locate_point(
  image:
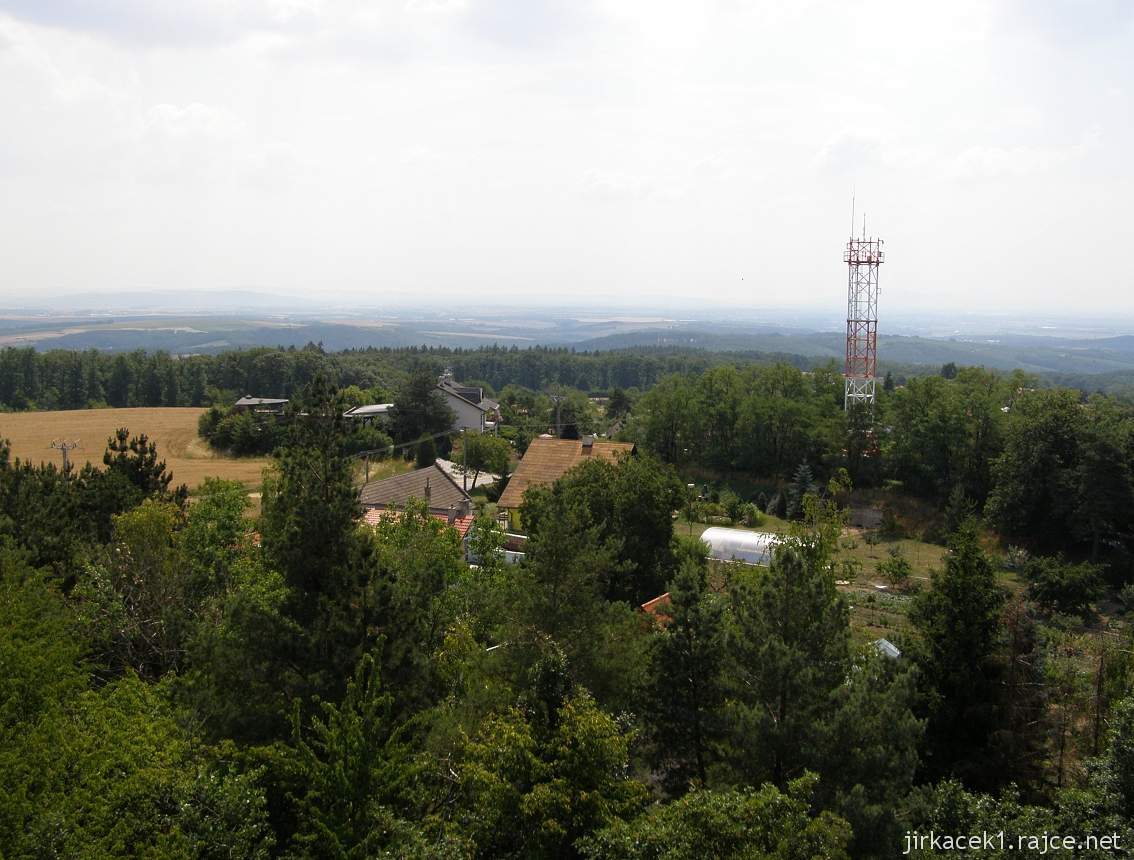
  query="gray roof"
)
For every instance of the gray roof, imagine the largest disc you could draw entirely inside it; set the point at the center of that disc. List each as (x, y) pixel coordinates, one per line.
(396, 491)
(260, 401)
(887, 648)
(471, 396)
(368, 411)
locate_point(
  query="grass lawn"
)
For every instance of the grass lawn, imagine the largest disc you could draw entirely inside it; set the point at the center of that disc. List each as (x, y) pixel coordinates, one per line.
(853, 545)
(380, 469)
(874, 612)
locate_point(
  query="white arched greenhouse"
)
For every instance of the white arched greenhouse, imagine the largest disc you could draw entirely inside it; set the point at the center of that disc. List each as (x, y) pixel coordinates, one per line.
(740, 545)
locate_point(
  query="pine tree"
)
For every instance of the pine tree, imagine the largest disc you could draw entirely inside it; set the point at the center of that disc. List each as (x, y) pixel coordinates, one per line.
(353, 764)
(121, 382)
(136, 459)
(802, 484)
(310, 506)
(419, 408)
(959, 621)
(790, 649)
(687, 668)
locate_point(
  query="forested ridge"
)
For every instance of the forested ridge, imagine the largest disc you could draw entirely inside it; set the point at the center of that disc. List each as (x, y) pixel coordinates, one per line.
(62, 379)
(183, 679)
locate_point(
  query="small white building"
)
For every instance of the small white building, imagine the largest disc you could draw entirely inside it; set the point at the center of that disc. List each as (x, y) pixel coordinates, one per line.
(727, 544)
(468, 414)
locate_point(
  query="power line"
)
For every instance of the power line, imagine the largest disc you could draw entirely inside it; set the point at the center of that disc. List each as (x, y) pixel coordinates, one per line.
(66, 447)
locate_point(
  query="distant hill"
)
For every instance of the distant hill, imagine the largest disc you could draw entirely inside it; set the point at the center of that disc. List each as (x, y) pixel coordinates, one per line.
(206, 301)
(1105, 363)
(1033, 354)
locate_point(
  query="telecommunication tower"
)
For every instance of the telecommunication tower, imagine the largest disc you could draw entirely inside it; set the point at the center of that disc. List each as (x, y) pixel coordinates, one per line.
(863, 257)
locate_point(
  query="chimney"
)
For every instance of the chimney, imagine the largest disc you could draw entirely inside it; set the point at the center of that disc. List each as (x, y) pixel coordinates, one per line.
(428, 493)
(452, 514)
(588, 444)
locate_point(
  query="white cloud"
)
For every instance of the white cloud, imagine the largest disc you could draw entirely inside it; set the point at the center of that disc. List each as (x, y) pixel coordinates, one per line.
(608, 144)
(977, 163)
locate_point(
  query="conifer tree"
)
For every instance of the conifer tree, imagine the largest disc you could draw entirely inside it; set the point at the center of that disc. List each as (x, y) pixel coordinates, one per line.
(687, 670)
(959, 620)
(790, 647)
(310, 506)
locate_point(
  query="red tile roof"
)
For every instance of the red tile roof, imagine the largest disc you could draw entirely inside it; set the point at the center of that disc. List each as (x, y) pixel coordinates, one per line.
(372, 517)
(657, 608)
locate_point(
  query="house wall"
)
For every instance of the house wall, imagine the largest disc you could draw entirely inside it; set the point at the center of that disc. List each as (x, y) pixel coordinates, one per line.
(468, 416)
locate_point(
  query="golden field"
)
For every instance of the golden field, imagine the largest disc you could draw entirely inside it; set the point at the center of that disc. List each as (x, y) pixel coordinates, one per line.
(174, 429)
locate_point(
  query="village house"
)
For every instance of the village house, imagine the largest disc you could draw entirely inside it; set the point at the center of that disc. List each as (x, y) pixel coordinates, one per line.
(444, 498)
(472, 410)
(262, 405)
(433, 485)
(547, 460)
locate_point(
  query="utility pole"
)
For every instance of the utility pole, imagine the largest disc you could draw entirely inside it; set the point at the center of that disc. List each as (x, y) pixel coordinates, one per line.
(692, 497)
(66, 447)
(464, 461)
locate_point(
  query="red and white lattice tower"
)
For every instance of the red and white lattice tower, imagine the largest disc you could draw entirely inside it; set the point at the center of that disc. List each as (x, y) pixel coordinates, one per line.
(863, 257)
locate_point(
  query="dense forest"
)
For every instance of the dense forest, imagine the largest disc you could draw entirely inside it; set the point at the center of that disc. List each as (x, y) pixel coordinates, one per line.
(60, 379)
(181, 678)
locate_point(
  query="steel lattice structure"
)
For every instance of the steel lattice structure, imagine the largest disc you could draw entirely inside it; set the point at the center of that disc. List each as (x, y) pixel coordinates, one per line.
(863, 257)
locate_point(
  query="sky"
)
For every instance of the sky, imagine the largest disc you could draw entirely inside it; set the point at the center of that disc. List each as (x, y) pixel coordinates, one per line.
(586, 151)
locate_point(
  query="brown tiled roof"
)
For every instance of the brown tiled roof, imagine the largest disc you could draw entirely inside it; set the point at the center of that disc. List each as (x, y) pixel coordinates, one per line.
(547, 460)
(658, 608)
(396, 491)
(375, 516)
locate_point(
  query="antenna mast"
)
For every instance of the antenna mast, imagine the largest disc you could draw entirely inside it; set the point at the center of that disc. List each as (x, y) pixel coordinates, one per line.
(863, 257)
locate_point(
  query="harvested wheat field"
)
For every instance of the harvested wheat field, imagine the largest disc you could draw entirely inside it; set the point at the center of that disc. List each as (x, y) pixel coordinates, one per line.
(174, 429)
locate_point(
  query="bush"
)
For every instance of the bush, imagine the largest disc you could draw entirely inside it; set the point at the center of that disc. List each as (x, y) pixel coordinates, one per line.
(223, 433)
(890, 528)
(426, 452)
(777, 505)
(750, 515)
(239, 433)
(207, 423)
(732, 505)
(1015, 559)
(368, 438)
(1060, 586)
(1126, 595)
(493, 491)
(896, 569)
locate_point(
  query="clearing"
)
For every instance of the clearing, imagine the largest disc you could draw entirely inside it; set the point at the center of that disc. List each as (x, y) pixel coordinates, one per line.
(174, 429)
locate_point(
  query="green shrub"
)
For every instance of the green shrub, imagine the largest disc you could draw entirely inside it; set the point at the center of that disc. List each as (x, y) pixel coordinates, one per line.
(1060, 586)
(896, 569)
(368, 438)
(426, 452)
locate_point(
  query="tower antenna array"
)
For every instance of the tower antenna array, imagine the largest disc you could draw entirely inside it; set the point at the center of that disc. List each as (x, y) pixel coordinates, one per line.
(863, 257)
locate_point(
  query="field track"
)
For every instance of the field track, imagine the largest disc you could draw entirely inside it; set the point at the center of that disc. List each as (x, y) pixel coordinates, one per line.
(174, 429)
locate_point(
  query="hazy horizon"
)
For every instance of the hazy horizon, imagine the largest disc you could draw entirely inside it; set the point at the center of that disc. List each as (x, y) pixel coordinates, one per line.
(630, 155)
